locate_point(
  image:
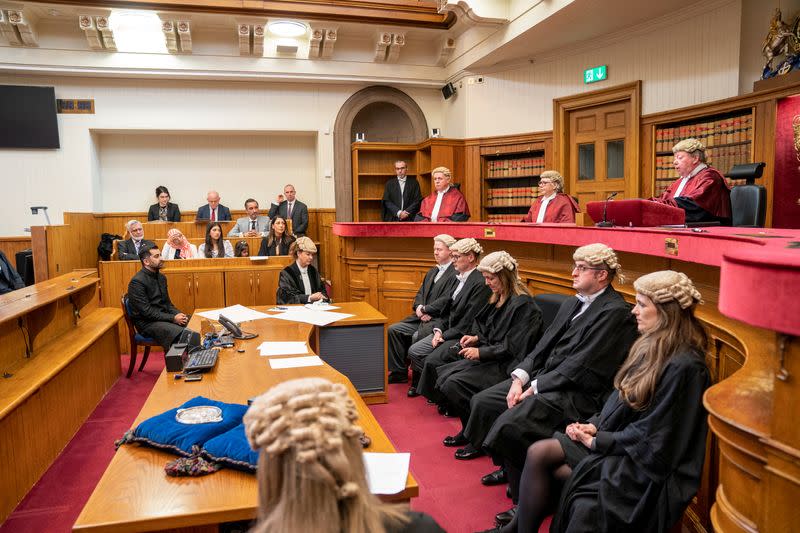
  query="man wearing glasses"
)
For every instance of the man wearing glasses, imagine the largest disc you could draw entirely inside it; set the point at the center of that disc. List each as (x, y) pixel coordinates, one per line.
(552, 205)
(566, 377)
(401, 196)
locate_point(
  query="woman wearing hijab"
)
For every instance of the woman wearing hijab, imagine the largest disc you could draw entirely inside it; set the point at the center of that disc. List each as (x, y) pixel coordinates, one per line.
(178, 246)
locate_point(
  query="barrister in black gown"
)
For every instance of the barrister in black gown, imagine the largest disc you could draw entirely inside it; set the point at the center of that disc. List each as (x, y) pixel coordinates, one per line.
(151, 309)
(401, 196)
(292, 288)
(636, 465)
(469, 296)
(503, 331)
(429, 303)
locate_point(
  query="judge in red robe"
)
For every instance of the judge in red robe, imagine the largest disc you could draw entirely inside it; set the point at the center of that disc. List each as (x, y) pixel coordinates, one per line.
(701, 191)
(445, 203)
(552, 205)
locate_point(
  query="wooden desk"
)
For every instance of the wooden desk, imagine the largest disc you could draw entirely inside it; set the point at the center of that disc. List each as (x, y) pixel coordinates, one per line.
(135, 494)
(61, 355)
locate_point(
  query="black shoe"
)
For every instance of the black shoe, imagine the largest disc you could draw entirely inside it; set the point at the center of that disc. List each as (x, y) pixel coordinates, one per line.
(508, 492)
(442, 409)
(468, 452)
(454, 441)
(498, 477)
(429, 401)
(398, 377)
(412, 392)
(504, 518)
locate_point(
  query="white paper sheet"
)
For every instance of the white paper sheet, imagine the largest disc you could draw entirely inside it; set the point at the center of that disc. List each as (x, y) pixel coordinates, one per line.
(317, 318)
(386, 472)
(282, 348)
(259, 257)
(321, 307)
(295, 362)
(237, 313)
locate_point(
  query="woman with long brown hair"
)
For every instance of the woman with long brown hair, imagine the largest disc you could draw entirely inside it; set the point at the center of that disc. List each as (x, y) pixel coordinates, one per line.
(311, 474)
(278, 239)
(215, 245)
(636, 465)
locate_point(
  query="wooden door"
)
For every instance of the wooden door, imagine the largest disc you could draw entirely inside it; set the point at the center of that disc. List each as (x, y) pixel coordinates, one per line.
(209, 290)
(600, 157)
(179, 285)
(239, 288)
(266, 287)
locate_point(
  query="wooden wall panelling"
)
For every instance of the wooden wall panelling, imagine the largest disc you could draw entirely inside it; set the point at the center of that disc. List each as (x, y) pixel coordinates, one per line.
(11, 245)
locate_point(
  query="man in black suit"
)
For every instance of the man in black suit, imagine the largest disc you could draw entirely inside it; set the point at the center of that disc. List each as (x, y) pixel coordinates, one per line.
(291, 208)
(566, 377)
(10, 280)
(430, 302)
(300, 283)
(469, 295)
(148, 299)
(401, 196)
(213, 210)
(128, 250)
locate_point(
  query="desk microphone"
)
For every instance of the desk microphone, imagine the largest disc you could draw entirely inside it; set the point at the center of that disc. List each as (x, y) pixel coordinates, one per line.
(605, 223)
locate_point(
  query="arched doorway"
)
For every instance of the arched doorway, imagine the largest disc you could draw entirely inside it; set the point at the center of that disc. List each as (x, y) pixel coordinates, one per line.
(383, 114)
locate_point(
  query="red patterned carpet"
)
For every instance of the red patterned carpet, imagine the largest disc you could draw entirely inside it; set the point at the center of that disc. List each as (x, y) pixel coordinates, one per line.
(450, 490)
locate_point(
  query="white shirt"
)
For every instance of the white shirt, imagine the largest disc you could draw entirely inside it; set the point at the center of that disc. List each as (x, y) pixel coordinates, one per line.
(586, 302)
(685, 179)
(543, 207)
(462, 278)
(438, 204)
(442, 269)
(402, 182)
(305, 278)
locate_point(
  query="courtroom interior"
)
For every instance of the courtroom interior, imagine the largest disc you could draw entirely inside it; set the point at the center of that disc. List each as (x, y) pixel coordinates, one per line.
(399, 265)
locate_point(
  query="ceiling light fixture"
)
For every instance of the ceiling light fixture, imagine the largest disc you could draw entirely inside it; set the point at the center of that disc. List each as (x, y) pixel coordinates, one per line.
(287, 28)
(137, 31)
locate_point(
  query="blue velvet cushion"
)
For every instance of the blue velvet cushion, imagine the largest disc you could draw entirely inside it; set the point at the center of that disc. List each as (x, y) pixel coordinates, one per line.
(164, 432)
(232, 449)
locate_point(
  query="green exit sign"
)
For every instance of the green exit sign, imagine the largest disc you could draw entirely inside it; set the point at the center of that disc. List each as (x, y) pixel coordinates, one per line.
(591, 75)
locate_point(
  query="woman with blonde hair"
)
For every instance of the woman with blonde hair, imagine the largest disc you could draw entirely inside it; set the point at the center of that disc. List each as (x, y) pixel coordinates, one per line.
(311, 474)
(278, 240)
(552, 205)
(178, 246)
(502, 333)
(636, 465)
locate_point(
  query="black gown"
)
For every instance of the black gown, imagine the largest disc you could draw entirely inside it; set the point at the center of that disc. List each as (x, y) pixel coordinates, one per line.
(574, 364)
(646, 465)
(290, 285)
(505, 335)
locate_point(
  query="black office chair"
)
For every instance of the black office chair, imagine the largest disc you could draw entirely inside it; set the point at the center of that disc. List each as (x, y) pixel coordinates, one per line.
(749, 201)
(549, 304)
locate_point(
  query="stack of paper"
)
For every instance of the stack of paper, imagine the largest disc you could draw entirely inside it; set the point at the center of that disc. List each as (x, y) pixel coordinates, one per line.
(317, 318)
(282, 348)
(295, 362)
(386, 472)
(235, 313)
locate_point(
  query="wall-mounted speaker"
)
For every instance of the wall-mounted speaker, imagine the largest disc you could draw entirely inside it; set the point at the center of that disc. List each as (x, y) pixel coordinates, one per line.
(448, 91)
(436, 132)
(361, 137)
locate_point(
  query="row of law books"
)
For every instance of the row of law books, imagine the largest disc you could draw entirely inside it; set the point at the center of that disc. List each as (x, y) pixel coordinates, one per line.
(504, 218)
(723, 159)
(511, 196)
(510, 168)
(711, 133)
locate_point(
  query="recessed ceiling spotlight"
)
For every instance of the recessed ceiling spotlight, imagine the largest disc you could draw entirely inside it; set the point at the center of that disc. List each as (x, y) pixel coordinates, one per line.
(287, 28)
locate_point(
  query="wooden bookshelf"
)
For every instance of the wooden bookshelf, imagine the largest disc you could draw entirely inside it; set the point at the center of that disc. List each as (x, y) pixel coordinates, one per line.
(728, 138)
(373, 166)
(510, 177)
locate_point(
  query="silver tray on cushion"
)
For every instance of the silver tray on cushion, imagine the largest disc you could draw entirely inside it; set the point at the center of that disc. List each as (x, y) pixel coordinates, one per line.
(201, 414)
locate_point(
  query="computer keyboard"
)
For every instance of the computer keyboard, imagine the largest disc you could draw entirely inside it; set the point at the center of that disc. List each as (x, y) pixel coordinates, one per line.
(202, 360)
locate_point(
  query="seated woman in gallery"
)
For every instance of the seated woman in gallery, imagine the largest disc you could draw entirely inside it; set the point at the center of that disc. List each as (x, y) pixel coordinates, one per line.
(445, 203)
(163, 210)
(178, 246)
(215, 245)
(637, 464)
(278, 239)
(552, 205)
(311, 474)
(701, 191)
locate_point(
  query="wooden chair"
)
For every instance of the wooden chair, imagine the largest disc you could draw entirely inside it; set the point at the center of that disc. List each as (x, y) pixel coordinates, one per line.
(136, 339)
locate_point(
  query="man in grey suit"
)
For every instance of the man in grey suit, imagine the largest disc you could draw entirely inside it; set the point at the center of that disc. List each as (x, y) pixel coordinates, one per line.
(291, 208)
(253, 225)
(128, 250)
